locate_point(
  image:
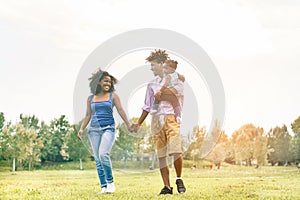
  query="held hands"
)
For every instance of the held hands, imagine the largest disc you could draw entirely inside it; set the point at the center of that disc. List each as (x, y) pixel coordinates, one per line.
(134, 128)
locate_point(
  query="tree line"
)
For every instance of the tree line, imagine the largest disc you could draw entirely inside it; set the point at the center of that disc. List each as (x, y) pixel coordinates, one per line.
(29, 143)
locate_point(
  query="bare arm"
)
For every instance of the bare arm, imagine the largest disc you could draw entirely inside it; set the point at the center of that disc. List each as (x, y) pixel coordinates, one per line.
(120, 109)
(167, 82)
(86, 119)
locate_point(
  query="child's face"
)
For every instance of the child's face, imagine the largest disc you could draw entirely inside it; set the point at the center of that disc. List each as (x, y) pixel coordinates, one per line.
(167, 69)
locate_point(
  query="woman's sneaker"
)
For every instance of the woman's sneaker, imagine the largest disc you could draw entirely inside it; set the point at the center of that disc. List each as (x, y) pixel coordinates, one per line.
(110, 188)
(103, 190)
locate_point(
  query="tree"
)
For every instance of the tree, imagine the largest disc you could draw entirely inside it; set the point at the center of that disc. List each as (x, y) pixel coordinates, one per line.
(195, 139)
(260, 148)
(220, 150)
(55, 139)
(243, 143)
(76, 150)
(296, 129)
(2, 120)
(279, 141)
(28, 144)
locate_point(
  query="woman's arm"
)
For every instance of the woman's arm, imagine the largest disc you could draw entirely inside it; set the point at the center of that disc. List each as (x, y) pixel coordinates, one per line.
(120, 109)
(86, 119)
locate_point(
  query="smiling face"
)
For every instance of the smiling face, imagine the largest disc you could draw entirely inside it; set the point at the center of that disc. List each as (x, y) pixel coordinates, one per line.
(156, 68)
(105, 84)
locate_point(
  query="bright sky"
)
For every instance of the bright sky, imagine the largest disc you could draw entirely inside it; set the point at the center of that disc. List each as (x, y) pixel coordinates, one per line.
(254, 45)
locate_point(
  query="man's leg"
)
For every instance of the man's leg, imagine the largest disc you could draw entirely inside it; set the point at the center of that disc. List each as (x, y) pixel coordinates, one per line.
(164, 171)
(178, 164)
(178, 168)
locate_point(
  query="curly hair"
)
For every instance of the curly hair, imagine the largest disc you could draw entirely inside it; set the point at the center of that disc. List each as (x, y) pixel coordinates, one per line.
(158, 56)
(171, 63)
(97, 77)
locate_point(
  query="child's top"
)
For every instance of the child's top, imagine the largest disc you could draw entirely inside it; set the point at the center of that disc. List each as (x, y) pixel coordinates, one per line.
(173, 79)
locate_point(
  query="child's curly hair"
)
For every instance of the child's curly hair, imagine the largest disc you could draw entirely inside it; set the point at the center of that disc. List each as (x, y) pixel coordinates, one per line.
(171, 63)
(97, 77)
(158, 56)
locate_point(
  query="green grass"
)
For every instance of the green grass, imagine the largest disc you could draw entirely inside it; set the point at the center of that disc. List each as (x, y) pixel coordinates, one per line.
(231, 182)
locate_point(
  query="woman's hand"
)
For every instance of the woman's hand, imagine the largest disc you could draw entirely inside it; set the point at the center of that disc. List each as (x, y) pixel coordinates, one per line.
(79, 135)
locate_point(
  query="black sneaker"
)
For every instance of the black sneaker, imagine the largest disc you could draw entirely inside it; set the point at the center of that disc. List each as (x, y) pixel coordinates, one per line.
(180, 186)
(166, 190)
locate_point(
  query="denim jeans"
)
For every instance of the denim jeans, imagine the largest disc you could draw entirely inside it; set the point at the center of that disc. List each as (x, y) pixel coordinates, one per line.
(102, 140)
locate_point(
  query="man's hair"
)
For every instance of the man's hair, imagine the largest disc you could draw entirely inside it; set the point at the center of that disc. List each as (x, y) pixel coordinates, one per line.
(158, 56)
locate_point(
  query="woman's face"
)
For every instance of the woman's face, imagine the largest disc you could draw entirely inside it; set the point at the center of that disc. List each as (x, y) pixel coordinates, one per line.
(105, 83)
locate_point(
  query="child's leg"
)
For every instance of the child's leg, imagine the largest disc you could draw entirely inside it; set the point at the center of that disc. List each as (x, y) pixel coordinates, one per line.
(154, 107)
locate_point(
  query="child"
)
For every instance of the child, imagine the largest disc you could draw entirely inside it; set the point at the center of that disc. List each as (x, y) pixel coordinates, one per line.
(170, 79)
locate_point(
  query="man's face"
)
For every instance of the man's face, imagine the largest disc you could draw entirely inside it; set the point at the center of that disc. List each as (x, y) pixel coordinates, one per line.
(156, 68)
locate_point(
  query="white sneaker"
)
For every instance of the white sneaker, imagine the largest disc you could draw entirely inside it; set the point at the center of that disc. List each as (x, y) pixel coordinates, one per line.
(110, 188)
(178, 120)
(153, 111)
(103, 190)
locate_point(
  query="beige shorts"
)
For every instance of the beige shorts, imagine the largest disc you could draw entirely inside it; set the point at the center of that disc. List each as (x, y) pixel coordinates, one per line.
(166, 133)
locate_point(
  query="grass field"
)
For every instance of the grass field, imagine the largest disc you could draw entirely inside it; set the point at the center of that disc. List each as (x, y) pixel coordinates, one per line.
(230, 182)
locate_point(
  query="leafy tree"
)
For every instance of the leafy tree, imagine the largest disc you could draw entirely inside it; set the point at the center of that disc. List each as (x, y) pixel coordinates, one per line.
(29, 145)
(29, 121)
(260, 148)
(221, 150)
(55, 139)
(243, 143)
(296, 129)
(76, 150)
(2, 120)
(279, 144)
(195, 139)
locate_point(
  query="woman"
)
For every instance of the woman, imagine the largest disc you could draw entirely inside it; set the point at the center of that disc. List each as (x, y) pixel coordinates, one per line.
(99, 113)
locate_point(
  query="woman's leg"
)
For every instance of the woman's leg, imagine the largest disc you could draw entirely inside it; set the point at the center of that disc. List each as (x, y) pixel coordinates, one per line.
(107, 141)
(95, 140)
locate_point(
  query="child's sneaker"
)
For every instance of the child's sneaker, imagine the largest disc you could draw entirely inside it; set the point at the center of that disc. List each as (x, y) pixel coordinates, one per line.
(178, 120)
(153, 111)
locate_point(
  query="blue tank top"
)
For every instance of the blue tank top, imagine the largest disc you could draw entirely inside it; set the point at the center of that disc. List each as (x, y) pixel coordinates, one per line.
(102, 113)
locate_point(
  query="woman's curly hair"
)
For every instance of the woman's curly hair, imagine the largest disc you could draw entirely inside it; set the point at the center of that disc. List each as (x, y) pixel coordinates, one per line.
(97, 77)
(158, 56)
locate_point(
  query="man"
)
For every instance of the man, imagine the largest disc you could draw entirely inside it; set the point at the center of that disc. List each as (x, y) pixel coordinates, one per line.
(165, 128)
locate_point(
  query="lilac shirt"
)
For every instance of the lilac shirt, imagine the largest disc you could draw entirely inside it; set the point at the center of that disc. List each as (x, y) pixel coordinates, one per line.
(166, 108)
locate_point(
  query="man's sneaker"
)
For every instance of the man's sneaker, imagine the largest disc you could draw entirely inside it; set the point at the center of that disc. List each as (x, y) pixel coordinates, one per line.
(166, 190)
(110, 188)
(180, 186)
(103, 190)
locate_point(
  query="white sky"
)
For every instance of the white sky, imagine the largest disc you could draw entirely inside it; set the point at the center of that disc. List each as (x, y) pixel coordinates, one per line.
(255, 46)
